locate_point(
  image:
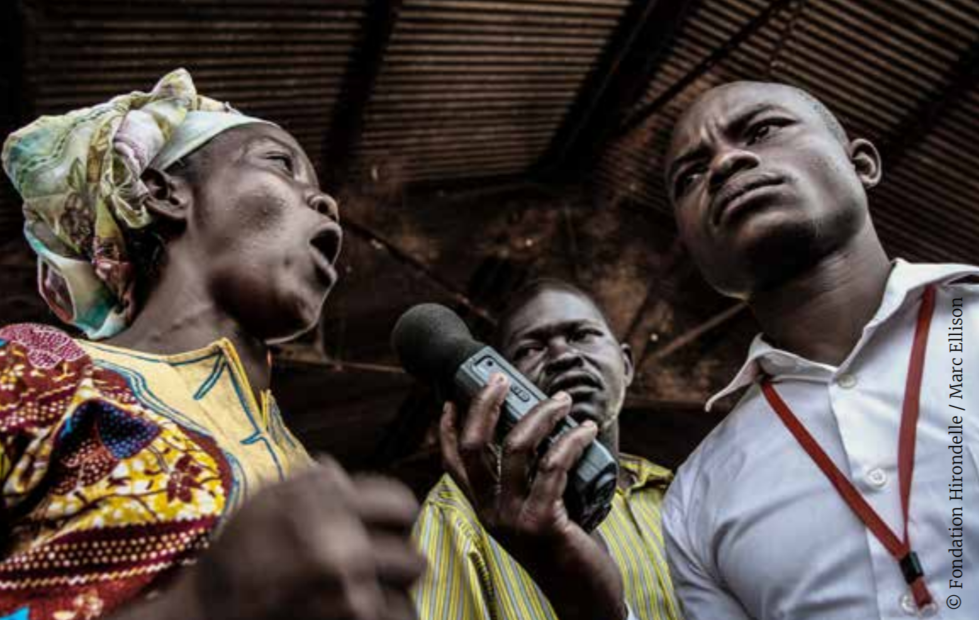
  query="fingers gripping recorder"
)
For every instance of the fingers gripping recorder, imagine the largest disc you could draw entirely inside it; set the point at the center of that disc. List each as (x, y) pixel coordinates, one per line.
(435, 346)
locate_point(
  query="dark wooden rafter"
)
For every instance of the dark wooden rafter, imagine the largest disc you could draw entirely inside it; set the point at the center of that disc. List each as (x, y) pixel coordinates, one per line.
(962, 78)
(399, 437)
(362, 71)
(640, 116)
(626, 66)
(695, 333)
(405, 433)
(379, 241)
(465, 187)
(669, 264)
(676, 254)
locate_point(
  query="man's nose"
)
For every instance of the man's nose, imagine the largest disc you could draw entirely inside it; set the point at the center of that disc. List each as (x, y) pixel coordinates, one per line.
(561, 356)
(728, 163)
(325, 204)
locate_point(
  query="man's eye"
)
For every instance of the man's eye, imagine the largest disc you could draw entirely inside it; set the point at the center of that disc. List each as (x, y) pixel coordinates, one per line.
(685, 179)
(584, 335)
(525, 351)
(762, 130)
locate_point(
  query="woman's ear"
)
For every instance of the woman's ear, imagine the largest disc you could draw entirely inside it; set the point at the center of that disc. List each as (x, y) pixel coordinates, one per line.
(170, 197)
(866, 162)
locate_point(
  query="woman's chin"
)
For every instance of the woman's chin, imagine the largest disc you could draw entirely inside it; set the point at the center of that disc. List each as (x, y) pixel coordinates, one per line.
(292, 321)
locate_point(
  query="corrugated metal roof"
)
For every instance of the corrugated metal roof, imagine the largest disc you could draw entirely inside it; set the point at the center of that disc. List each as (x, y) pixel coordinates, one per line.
(878, 64)
(474, 88)
(927, 205)
(284, 60)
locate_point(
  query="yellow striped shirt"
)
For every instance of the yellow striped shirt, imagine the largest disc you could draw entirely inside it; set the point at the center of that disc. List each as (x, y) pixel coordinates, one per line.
(470, 576)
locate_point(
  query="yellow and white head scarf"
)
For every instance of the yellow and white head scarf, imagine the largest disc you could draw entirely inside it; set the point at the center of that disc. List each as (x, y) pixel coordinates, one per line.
(79, 176)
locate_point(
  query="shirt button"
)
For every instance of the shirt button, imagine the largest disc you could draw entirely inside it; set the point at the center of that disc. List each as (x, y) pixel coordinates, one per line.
(847, 381)
(877, 478)
(908, 605)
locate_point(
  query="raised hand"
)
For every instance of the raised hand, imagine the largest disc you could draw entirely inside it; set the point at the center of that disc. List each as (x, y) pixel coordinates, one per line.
(319, 546)
(519, 498)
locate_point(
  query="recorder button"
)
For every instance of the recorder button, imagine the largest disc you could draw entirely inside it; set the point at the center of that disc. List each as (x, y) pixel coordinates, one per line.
(520, 393)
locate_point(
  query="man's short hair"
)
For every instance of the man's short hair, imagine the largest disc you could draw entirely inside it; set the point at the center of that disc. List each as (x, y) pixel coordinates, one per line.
(833, 123)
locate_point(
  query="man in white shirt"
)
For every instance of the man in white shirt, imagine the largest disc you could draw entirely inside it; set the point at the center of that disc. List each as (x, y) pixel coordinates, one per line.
(770, 196)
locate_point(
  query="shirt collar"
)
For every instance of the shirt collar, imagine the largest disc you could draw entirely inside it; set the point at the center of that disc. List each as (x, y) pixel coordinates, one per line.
(645, 472)
(904, 284)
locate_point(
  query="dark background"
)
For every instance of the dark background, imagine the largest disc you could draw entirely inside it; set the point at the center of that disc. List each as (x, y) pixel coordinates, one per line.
(476, 144)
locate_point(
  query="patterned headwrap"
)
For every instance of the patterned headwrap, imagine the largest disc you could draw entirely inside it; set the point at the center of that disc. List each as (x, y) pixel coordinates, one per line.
(79, 176)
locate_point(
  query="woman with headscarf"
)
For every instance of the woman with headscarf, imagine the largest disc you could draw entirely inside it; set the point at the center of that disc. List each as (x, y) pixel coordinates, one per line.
(181, 237)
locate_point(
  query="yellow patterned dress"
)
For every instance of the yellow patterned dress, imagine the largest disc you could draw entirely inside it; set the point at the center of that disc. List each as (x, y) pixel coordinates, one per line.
(116, 467)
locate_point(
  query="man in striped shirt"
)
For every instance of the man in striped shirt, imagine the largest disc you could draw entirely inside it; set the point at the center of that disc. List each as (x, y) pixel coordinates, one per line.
(555, 334)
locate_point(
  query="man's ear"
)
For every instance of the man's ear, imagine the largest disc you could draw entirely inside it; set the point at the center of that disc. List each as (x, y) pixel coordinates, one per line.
(866, 162)
(170, 197)
(630, 367)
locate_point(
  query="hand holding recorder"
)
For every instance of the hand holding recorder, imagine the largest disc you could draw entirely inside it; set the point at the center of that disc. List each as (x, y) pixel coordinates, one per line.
(536, 479)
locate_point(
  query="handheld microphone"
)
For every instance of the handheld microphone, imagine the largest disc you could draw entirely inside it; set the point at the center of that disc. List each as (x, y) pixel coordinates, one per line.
(435, 346)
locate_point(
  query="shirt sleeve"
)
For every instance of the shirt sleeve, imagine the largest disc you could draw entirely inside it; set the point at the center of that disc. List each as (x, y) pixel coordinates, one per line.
(456, 583)
(34, 395)
(102, 499)
(33, 400)
(8, 440)
(701, 596)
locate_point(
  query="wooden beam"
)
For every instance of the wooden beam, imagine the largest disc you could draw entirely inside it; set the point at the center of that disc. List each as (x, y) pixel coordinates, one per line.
(306, 357)
(465, 187)
(692, 335)
(669, 264)
(405, 434)
(628, 63)
(361, 75)
(717, 56)
(963, 77)
(379, 241)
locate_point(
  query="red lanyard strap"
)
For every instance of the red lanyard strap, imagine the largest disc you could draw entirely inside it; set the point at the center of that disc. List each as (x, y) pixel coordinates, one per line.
(900, 549)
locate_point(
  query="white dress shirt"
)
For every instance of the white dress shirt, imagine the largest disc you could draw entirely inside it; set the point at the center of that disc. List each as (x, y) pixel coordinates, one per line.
(755, 530)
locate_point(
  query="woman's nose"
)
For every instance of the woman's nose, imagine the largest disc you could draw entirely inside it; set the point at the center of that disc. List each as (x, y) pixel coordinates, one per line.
(325, 204)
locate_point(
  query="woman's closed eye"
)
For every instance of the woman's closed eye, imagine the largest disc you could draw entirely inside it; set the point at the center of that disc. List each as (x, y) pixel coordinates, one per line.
(283, 160)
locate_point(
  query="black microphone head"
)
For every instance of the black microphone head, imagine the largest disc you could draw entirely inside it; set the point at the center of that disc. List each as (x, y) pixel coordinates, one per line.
(432, 341)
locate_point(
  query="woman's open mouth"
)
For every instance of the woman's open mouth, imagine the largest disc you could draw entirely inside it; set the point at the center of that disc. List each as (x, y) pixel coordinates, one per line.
(326, 243)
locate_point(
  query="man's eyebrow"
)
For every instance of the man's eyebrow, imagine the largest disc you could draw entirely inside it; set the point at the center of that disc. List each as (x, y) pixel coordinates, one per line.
(544, 331)
(733, 127)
